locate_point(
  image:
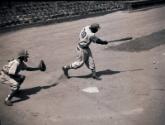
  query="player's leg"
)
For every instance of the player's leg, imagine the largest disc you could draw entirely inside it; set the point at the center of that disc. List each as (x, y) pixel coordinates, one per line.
(76, 64)
(20, 79)
(91, 65)
(14, 87)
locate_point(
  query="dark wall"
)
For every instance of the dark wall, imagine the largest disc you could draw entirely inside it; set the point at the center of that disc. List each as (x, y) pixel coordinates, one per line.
(14, 14)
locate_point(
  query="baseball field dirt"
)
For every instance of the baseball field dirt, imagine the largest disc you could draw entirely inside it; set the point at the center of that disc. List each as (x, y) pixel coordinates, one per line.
(132, 88)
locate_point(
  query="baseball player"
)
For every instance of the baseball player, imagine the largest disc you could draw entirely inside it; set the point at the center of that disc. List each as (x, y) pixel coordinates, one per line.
(84, 55)
(10, 73)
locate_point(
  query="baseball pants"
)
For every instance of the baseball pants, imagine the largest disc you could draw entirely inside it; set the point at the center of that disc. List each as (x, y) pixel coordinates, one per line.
(14, 81)
(83, 56)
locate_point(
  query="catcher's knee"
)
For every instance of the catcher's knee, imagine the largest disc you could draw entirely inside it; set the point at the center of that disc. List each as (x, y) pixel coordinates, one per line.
(22, 78)
(15, 86)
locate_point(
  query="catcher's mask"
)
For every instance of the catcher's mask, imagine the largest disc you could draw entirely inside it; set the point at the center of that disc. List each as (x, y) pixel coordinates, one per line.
(94, 27)
(24, 55)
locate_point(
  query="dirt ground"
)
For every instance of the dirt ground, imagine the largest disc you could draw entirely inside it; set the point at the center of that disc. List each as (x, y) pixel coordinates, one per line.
(132, 88)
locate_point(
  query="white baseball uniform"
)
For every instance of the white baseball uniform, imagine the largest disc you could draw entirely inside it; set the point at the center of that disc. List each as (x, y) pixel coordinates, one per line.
(9, 73)
(84, 54)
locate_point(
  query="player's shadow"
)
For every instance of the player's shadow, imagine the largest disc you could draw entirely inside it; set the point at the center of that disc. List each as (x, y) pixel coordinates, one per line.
(25, 94)
(105, 72)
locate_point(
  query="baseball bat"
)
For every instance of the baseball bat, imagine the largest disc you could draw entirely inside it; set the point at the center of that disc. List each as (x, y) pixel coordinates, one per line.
(122, 39)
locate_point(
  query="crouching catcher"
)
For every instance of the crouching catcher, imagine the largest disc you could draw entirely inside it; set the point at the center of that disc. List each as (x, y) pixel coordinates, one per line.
(10, 73)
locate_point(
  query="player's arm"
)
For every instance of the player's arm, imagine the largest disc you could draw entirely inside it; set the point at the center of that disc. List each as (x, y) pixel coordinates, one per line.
(32, 68)
(98, 40)
(28, 68)
(41, 67)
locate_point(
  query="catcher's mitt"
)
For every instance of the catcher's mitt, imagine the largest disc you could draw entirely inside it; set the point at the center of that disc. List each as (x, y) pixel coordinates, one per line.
(42, 66)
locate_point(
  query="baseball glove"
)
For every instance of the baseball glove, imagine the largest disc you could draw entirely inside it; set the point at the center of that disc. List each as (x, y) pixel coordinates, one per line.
(42, 66)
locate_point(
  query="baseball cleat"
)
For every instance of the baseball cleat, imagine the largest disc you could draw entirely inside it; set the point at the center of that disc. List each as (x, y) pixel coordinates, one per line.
(65, 70)
(8, 103)
(94, 76)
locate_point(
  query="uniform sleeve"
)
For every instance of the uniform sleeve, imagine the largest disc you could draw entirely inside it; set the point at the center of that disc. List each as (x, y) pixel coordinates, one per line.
(98, 40)
(94, 39)
(29, 68)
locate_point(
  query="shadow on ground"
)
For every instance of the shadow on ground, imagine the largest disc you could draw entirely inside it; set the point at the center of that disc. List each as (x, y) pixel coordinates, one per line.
(105, 72)
(141, 44)
(24, 94)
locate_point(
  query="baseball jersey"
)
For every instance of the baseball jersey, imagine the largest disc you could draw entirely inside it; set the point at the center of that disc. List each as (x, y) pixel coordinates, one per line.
(85, 36)
(14, 67)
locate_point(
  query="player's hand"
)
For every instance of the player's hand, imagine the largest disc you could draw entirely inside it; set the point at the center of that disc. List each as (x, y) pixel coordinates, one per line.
(105, 42)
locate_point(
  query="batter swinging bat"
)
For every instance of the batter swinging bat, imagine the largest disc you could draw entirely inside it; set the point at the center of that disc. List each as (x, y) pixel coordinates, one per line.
(122, 39)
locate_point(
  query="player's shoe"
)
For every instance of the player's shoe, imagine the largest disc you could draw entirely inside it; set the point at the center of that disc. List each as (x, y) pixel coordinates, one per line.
(8, 103)
(94, 76)
(65, 70)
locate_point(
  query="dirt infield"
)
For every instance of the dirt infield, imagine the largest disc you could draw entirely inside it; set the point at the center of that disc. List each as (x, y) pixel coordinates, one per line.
(131, 91)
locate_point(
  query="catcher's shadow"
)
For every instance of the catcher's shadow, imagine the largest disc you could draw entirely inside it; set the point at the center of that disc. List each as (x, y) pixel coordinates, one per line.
(25, 94)
(105, 72)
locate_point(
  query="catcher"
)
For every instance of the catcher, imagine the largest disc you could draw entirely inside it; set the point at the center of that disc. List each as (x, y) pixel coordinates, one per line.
(10, 73)
(84, 54)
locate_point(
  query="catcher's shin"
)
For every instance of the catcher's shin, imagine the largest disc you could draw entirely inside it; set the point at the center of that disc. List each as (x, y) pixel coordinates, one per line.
(42, 66)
